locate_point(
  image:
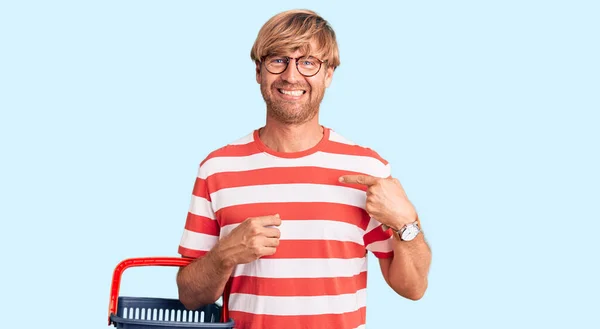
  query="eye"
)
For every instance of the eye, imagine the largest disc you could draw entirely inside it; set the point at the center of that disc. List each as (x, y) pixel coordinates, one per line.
(307, 62)
(278, 60)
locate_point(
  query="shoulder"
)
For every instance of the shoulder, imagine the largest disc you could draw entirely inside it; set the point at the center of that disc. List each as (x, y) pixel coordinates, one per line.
(241, 147)
(340, 144)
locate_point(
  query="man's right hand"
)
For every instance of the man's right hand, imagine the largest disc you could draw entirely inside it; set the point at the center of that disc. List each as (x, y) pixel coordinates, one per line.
(252, 239)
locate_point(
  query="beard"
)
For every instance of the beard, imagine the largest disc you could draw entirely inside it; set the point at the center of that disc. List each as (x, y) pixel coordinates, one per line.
(292, 112)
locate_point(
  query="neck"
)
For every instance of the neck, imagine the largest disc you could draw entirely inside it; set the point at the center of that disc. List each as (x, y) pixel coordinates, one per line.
(282, 137)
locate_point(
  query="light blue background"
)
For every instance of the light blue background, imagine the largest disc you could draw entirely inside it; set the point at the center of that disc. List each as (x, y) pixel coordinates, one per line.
(487, 110)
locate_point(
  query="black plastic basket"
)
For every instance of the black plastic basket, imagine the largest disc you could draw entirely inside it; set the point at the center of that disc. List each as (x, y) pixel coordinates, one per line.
(159, 313)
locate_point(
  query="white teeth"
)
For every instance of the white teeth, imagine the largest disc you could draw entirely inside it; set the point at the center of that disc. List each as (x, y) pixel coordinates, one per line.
(292, 92)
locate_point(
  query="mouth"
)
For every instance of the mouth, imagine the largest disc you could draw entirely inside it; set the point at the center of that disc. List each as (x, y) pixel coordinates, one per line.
(291, 93)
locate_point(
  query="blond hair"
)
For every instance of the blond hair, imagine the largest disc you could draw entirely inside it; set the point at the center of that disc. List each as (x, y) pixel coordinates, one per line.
(294, 30)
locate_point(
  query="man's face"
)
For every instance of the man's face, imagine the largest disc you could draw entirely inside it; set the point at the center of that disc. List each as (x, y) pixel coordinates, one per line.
(291, 97)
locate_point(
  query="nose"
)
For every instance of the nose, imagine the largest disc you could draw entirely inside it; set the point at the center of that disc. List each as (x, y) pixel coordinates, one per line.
(291, 73)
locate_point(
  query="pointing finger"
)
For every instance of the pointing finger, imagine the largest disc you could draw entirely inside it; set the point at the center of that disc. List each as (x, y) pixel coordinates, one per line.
(359, 179)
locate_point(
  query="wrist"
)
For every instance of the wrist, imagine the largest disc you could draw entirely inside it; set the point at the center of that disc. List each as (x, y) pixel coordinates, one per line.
(220, 260)
(405, 231)
(398, 225)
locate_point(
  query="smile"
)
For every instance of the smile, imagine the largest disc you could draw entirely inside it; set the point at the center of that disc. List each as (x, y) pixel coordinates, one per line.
(291, 92)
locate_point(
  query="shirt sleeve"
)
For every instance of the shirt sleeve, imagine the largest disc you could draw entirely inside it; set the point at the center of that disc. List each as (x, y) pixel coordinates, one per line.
(201, 231)
(378, 241)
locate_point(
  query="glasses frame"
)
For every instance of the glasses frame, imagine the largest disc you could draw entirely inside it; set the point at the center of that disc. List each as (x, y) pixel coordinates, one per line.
(287, 63)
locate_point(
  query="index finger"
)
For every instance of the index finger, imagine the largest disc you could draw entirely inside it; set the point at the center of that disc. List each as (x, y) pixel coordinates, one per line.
(359, 179)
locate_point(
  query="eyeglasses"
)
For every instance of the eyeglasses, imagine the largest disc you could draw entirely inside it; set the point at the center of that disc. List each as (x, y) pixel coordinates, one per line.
(308, 66)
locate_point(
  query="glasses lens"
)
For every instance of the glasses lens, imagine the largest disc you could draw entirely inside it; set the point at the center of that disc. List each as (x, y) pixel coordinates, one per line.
(308, 65)
(276, 64)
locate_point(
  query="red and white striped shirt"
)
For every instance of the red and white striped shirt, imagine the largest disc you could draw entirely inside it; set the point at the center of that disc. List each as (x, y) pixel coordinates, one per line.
(318, 276)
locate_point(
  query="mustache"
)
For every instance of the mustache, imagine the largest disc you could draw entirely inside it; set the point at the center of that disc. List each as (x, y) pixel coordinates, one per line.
(290, 86)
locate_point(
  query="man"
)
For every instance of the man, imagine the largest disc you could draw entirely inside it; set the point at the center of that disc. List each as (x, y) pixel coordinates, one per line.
(281, 220)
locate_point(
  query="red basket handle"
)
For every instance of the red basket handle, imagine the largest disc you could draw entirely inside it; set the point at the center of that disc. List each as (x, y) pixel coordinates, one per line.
(133, 262)
(145, 261)
(152, 261)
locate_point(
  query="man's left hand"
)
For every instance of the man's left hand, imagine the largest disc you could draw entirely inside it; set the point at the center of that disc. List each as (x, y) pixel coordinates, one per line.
(386, 200)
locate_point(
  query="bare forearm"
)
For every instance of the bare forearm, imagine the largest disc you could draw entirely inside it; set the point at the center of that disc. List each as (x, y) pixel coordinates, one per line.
(409, 268)
(203, 280)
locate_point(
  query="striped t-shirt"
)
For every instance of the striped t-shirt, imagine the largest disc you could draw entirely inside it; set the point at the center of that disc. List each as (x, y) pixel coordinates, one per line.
(318, 276)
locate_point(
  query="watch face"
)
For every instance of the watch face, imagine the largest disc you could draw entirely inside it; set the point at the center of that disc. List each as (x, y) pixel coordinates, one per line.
(410, 232)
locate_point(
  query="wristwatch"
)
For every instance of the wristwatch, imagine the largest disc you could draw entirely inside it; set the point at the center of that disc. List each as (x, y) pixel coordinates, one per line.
(406, 233)
(409, 231)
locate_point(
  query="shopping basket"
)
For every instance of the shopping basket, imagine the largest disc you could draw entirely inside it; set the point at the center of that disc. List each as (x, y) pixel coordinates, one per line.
(160, 313)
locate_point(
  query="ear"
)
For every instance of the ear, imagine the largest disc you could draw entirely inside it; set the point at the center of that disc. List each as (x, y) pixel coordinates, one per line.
(257, 72)
(328, 76)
